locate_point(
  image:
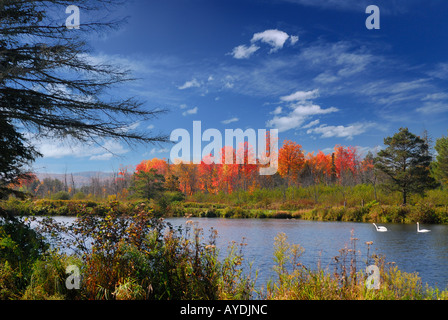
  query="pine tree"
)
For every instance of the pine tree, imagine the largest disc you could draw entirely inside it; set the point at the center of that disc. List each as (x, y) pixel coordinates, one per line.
(406, 163)
(52, 87)
(440, 165)
(148, 184)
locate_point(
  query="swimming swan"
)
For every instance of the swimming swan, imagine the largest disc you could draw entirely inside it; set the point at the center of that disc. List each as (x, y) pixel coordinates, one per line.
(421, 230)
(380, 228)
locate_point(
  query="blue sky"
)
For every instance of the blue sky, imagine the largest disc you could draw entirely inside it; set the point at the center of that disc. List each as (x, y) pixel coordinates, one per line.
(309, 68)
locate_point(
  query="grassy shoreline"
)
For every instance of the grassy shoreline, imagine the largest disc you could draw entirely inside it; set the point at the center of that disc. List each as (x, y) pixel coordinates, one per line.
(370, 212)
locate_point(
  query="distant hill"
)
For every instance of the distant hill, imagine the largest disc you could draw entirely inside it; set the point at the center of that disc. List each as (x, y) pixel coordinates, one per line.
(80, 178)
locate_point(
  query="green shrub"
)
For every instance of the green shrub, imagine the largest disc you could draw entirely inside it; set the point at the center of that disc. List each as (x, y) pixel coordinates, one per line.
(20, 246)
(239, 212)
(8, 282)
(210, 213)
(61, 195)
(260, 214)
(48, 280)
(227, 212)
(281, 215)
(79, 196)
(424, 212)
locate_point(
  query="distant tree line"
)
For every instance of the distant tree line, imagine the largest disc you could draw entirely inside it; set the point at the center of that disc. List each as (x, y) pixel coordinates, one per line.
(405, 165)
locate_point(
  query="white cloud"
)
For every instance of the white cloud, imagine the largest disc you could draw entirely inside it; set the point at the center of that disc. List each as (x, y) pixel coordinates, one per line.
(341, 131)
(228, 85)
(275, 38)
(190, 84)
(102, 157)
(285, 123)
(243, 51)
(433, 107)
(301, 110)
(228, 82)
(300, 113)
(70, 148)
(294, 39)
(311, 124)
(325, 77)
(440, 71)
(130, 127)
(436, 96)
(155, 151)
(277, 111)
(190, 111)
(311, 109)
(337, 61)
(230, 120)
(435, 103)
(301, 96)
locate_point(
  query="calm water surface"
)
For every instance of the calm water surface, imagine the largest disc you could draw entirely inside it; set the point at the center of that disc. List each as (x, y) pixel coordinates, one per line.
(425, 253)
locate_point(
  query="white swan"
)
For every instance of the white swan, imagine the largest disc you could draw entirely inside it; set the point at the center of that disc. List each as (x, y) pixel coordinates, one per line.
(421, 230)
(380, 228)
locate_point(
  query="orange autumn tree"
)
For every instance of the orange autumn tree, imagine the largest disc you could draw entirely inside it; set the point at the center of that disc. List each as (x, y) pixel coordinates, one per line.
(319, 167)
(160, 165)
(346, 164)
(291, 160)
(247, 166)
(187, 173)
(208, 175)
(227, 172)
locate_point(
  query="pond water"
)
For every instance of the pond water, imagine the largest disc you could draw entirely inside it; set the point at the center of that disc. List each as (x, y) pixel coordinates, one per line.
(425, 253)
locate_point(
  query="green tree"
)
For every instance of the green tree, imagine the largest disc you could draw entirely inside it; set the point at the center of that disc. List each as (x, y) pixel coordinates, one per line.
(52, 86)
(148, 184)
(406, 163)
(15, 154)
(172, 183)
(440, 165)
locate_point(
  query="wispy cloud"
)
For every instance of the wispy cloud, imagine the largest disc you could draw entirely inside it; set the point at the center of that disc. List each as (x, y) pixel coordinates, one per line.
(311, 124)
(190, 84)
(341, 131)
(301, 96)
(433, 108)
(70, 148)
(440, 71)
(243, 51)
(157, 151)
(190, 111)
(228, 121)
(298, 112)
